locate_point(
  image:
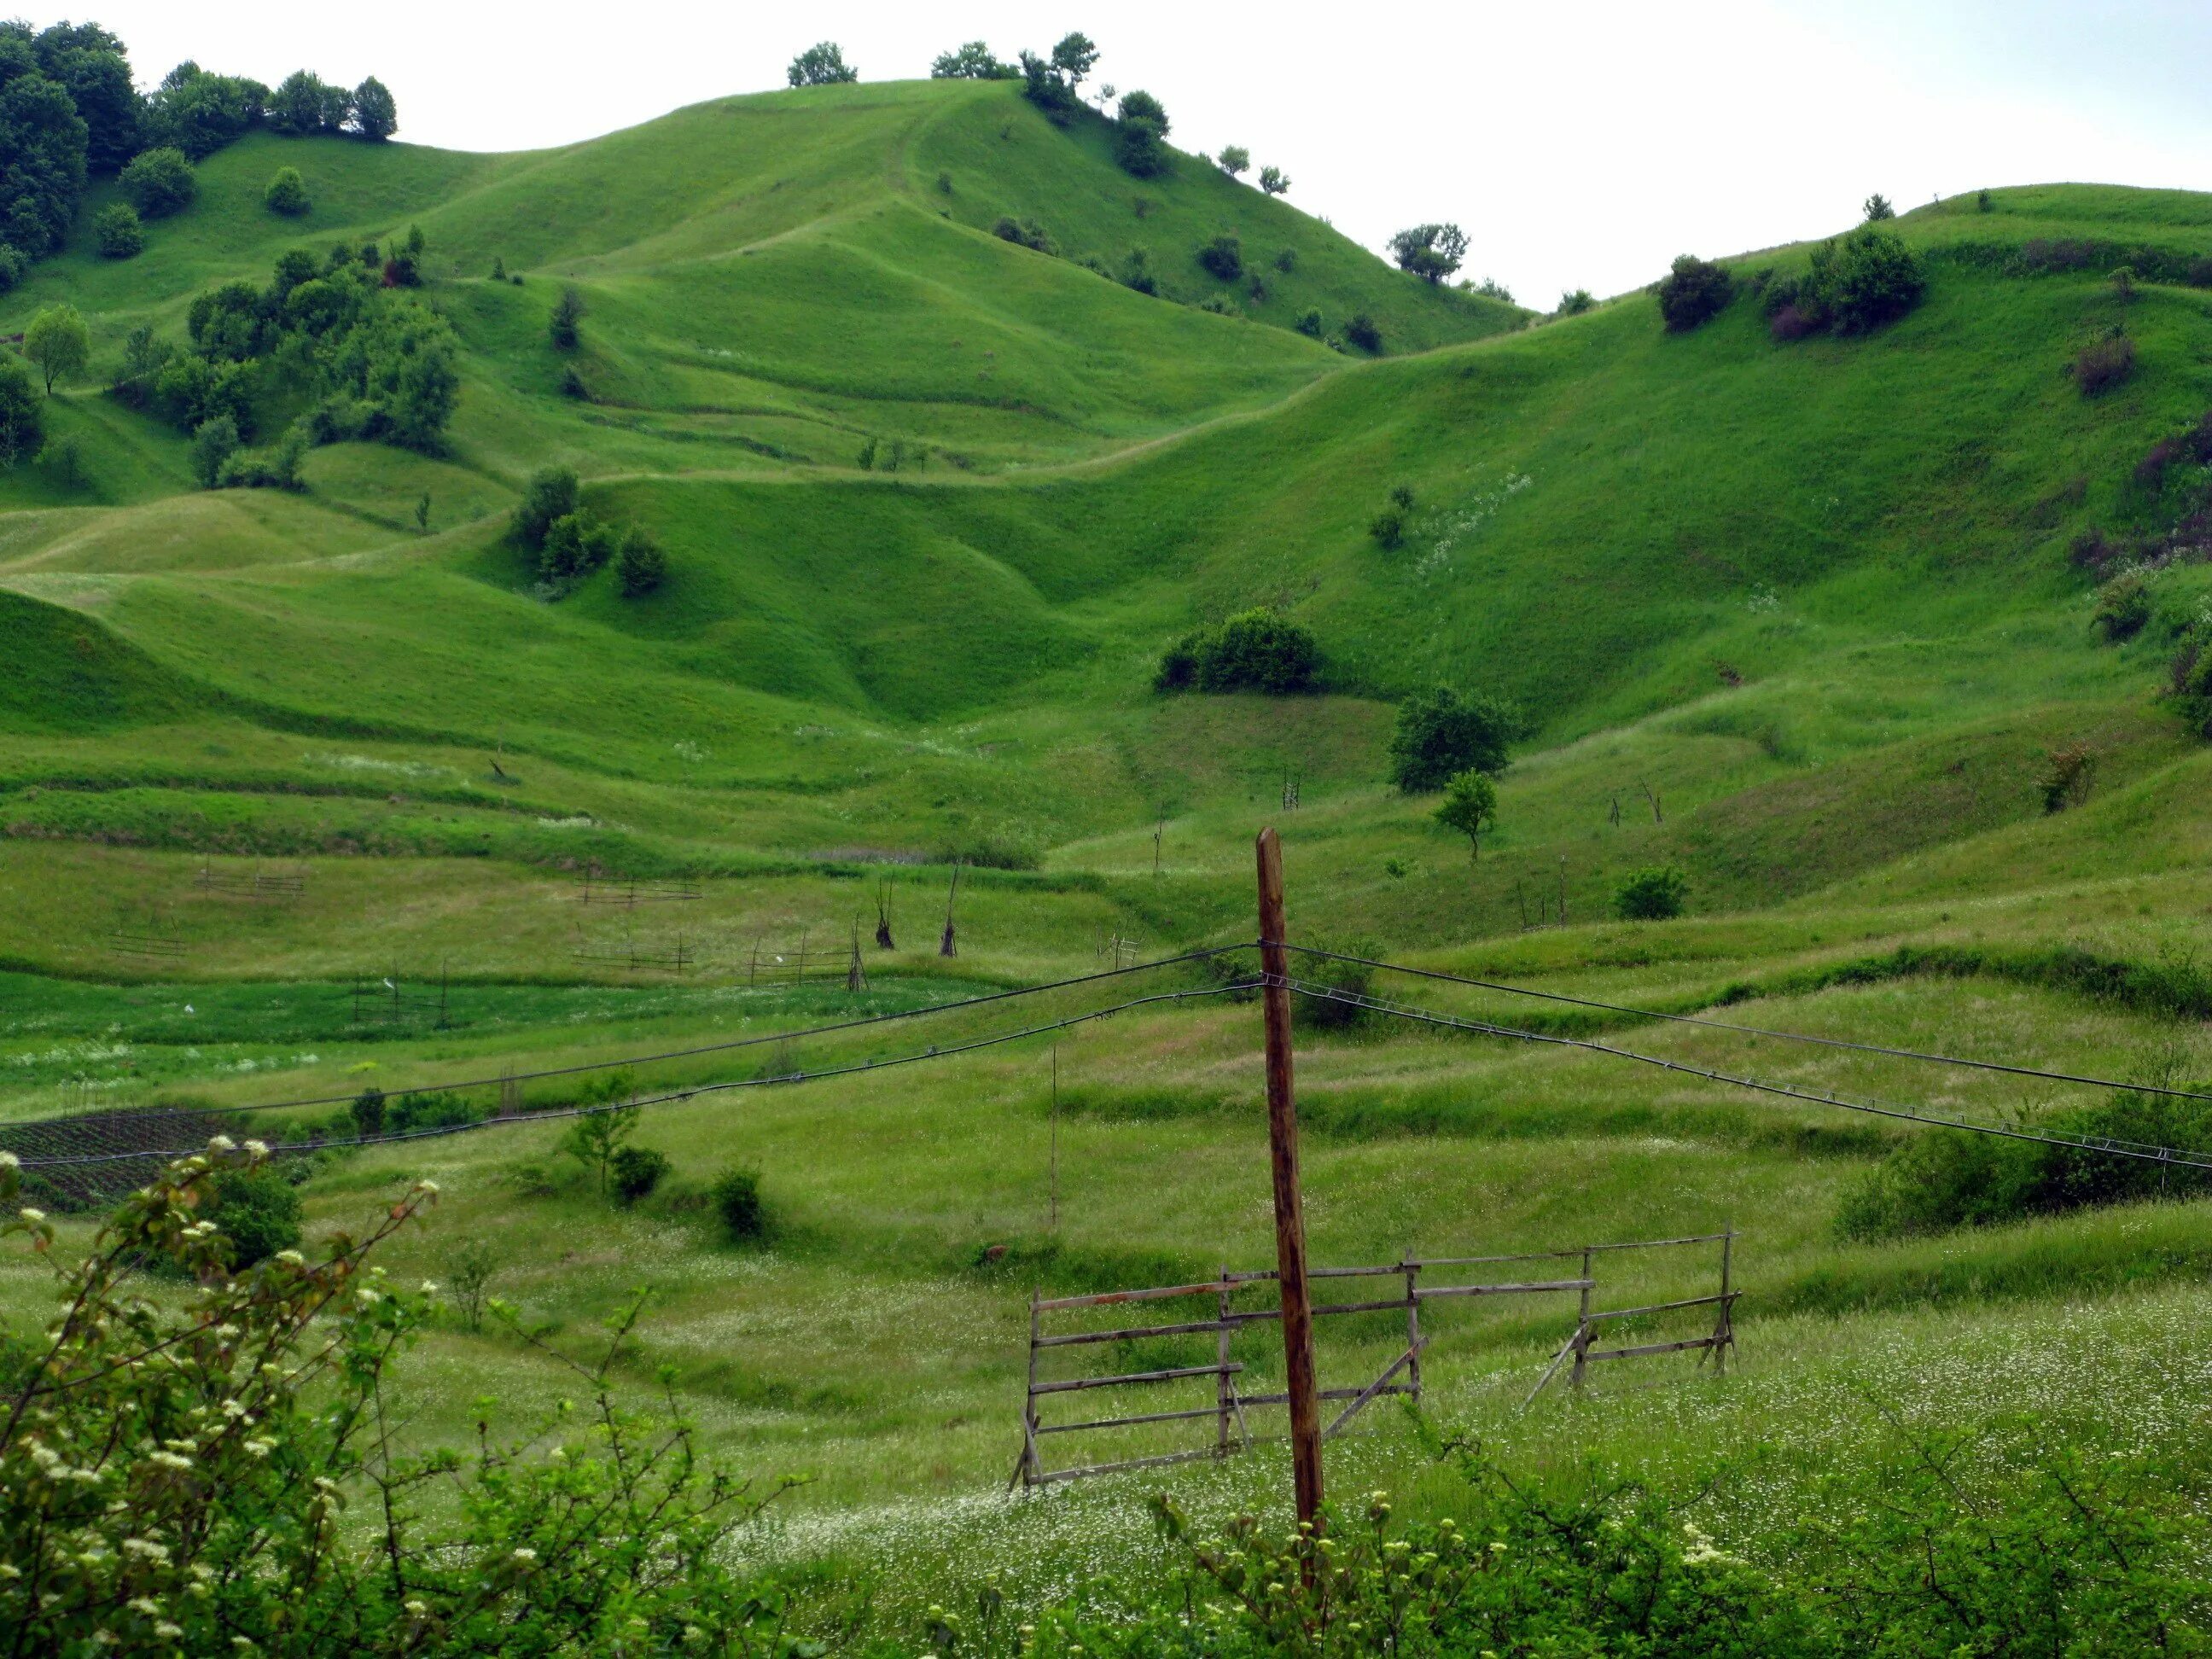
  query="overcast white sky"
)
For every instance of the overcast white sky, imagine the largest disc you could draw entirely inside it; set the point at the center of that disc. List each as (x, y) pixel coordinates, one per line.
(1580, 145)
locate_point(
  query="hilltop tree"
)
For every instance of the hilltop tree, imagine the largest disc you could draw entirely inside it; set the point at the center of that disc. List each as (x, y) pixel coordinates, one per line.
(1574, 302)
(1274, 181)
(1138, 143)
(1470, 806)
(304, 104)
(1877, 207)
(375, 112)
(1441, 734)
(1075, 57)
(92, 66)
(159, 182)
(1234, 161)
(200, 113)
(1693, 292)
(58, 342)
(1430, 252)
(972, 61)
(42, 153)
(22, 431)
(821, 64)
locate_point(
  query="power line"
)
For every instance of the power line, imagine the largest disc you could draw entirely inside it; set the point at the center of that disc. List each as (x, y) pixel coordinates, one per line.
(689, 1054)
(1756, 1030)
(2166, 1155)
(933, 1052)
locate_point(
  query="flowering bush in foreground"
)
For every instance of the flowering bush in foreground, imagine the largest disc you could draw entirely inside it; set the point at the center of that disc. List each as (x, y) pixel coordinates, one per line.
(210, 1470)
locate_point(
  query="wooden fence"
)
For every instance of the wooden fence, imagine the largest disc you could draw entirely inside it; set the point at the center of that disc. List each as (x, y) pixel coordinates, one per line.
(1402, 1376)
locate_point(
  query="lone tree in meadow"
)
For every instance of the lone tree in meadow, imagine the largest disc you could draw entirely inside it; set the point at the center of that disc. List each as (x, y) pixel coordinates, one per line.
(821, 64)
(1274, 181)
(158, 182)
(1470, 806)
(1235, 160)
(1442, 734)
(57, 343)
(1430, 252)
(287, 193)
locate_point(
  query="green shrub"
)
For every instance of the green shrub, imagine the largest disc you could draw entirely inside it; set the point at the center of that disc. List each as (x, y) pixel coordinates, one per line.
(1309, 322)
(287, 193)
(1288, 260)
(552, 493)
(214, 442)
(117, 232)
(1441, 733)
(1575, 301)
(2104, 364)
(635, 1171)
(640, 566)
(22, 429)
(158, 182)
(576, 544)
(367, 1110)
(1352, 979)
(259, 1211)
(1362, 331)
(2123, 607)
(1252, 651)
(1223, 256)
(1693, 291)
(560, 327)
(736, 1196)
(436, 1109)
(1388, 527)
(1024, 233)
(1652, 895)
(13, 264)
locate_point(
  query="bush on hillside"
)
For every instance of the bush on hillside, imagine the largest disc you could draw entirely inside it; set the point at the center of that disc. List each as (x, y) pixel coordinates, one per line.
(973, 61)
(1137, 273)
(276, 467)
(158, 182)
(1288, 260)
(1441, 733)
(1361, 331)
(560, 325)
(1868, 278)
(21, 430)
(1220, 305)
(737, 1195)
(13, 264)
(1309, 323)
(1022, 232)
(641, 567)
(1224, 257)
(821, 64)
(259, 1211)
(1349, 979)
(2105, 364)
(287, 193)
(117, 232)
(575, 545)
(1575, 301)
(1253, 651)
(1387, 528)
(551, 492)
(635, 1171)
(214, 442)
(367, 1112)
(1652, 895)
(1430, 252)
(1693, 291)
(1942, 1179)
(2122, 608)
(1139, 136)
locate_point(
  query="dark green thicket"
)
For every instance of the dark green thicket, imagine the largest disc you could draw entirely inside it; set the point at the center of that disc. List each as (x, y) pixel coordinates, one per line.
(1441, 733)
(1693, 292)
(259, 1211)
(1253, 651)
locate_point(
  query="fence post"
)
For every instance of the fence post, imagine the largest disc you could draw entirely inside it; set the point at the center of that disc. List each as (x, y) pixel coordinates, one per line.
(1582, 1325)
(1290, 1211)
(1225, 1395)
(1724, 1333)
(1032, 1465)
(1412, 1326)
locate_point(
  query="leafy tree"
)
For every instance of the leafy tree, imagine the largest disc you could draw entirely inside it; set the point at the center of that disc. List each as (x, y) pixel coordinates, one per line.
(821, 64)
(91, 65)
(575, 545)
(1441, 734)
(405, 268)
(1234, 161)
(258, 1211)
(1140, 135)
(117, 232)
(42, 154)
(1693, 292)
(1575, 301)
(972, 61)
(303, 103)
(640, 566)
(1652, 895)
(1048, 89)
(568, 312)
(1141, 106)
(1877, 207)
(213, 445)
(287, 193)
(1860, 283)
(376, 114)
(1224, 257)
(1253, 651)
(58, 342)
(1074, 57)
(22, 431)
(1430, 252)
(13, 264)
(64, 457)
(595, 1139)
(199, 112)
(551, 492)
(159, 182)
(1274, 181)
(1470, 806)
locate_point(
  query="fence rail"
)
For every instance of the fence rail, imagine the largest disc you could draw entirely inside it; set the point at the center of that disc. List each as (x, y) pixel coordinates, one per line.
(1401, 1376)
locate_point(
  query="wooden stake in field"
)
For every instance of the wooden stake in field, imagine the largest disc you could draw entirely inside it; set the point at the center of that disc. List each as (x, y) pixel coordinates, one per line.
(1290, 1211)
(945, 947)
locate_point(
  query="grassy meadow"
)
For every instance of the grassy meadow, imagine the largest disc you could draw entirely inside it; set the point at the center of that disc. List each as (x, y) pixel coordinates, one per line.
(1797, 619)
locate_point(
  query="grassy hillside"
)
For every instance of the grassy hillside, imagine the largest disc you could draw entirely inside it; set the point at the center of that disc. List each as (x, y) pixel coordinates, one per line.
(1801, 619)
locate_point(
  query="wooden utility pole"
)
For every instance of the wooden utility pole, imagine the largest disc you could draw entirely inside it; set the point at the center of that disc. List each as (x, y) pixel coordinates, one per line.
(1290, 1211)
